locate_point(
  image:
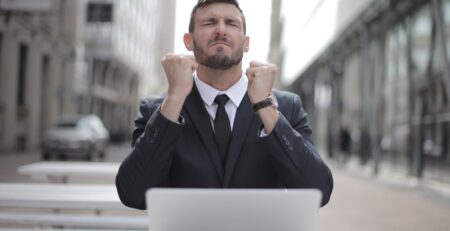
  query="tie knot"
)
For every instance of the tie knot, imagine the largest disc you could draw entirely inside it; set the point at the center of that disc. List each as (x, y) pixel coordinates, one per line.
(221, 100)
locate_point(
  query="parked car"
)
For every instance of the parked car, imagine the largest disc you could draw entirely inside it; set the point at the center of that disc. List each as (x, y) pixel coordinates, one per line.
(79, 136)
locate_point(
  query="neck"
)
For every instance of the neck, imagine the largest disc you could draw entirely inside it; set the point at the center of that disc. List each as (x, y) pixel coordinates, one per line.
(220, 79)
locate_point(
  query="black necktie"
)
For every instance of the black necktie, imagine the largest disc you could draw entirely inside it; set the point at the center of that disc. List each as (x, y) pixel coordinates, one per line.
(222, 128)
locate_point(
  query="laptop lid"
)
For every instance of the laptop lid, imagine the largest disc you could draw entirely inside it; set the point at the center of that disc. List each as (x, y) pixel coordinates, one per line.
(232, 209)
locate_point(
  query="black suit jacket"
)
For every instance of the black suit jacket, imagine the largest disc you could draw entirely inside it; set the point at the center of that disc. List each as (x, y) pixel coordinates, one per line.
(167, 154)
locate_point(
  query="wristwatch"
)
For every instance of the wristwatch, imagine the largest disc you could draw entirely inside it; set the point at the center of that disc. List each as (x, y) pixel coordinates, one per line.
(270, 101)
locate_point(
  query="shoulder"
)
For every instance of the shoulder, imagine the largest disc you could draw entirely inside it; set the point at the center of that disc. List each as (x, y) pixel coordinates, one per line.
(149, 104)
(286, 97)
(289, 104)
(151, 101)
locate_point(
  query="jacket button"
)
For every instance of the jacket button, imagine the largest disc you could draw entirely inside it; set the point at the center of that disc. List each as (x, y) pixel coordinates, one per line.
(287, 143)
(290, 148)
(155, 135)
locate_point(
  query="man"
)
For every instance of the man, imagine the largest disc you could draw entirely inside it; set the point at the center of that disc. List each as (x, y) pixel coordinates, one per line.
(181, 139)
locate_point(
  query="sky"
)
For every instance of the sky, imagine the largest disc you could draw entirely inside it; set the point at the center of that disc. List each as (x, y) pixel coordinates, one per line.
(258, 27)
(309, 26)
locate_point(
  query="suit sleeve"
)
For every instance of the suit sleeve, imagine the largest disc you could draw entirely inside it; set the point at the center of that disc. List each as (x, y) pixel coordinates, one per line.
(149, 162)
(297, 162)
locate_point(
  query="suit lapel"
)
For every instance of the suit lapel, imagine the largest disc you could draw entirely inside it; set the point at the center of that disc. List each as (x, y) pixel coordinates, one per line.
(242, 123)
(196, 111)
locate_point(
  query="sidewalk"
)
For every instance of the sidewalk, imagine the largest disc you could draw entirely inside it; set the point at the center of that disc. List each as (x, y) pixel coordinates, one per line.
(364, 204)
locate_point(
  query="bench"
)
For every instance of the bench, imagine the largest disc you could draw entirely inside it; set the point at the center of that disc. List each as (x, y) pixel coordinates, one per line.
(61, 172)
(75, 220)
(62, 229)
(17, 199)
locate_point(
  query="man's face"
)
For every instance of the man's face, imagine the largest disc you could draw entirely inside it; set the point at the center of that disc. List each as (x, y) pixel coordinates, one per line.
(218, 40)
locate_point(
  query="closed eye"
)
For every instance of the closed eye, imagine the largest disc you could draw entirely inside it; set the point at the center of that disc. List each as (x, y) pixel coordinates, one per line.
(210, 21)
(232, 23)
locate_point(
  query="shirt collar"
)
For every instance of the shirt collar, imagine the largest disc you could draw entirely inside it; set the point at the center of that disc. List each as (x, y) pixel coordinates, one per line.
(236, 92)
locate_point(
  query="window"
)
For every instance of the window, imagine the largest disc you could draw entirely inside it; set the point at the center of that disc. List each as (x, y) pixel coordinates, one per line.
(397, 82)
(22, 71)
(1, 52)
(2, 84)
(421, 39)
(99, 12)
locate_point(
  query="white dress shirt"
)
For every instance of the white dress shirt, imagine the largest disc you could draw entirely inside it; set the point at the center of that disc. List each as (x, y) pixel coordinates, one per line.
(236, 93)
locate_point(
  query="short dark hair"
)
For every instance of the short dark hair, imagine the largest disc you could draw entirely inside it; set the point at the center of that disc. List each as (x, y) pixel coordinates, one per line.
(204, 3)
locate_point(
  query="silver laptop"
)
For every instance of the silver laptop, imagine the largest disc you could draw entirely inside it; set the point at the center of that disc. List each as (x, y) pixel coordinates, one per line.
(232, 209)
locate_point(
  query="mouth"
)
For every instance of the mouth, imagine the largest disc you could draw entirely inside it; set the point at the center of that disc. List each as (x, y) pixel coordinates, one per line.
(218, 43)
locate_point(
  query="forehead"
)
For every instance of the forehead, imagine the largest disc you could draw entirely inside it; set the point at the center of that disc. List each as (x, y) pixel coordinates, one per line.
(218, 10)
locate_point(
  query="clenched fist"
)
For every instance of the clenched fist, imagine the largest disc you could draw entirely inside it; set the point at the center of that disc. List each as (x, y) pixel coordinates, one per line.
(261, 77)
(179, 70)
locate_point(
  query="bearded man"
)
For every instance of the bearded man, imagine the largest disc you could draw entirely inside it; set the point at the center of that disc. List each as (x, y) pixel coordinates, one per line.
(216, 126)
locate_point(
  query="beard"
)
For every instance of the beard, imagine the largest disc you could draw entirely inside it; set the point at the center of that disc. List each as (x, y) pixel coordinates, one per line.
(218, 61)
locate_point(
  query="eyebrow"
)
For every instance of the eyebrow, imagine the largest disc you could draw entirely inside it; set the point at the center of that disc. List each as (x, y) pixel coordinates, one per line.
(231, 20)
(213, 18)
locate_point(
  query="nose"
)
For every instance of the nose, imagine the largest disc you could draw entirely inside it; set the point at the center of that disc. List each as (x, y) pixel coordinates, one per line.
(221, 28)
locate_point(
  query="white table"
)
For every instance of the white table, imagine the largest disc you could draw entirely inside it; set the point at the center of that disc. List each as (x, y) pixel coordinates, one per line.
(60, 196)
(61, 171)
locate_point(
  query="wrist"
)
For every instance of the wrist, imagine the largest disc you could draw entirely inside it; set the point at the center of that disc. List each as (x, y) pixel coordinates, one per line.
(269, 101)
(179, 92)
(176, 95)
(255, 99)
(171, 106)
(269, 117)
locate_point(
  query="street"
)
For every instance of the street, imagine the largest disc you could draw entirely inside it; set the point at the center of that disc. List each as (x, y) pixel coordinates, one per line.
(358, 202)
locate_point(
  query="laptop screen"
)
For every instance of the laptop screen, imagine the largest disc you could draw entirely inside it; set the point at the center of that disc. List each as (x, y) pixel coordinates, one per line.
(232, 209)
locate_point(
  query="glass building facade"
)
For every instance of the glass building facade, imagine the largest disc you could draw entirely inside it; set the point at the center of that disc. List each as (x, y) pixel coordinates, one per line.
(386, 81)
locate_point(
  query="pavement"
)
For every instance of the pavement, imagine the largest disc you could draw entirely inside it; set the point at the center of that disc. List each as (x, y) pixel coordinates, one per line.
(359, 201)
(367, 204)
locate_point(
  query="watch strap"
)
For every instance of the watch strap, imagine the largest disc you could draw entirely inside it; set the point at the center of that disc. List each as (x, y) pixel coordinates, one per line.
(263, 103)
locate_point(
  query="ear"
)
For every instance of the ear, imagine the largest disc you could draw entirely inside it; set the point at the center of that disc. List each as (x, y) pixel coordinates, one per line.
(188, 41)
(246, 44)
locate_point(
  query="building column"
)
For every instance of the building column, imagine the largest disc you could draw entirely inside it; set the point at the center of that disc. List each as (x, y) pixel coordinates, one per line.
(33, 96)
(9, 92)
(2, 92)
(67, 86)
(53, 89)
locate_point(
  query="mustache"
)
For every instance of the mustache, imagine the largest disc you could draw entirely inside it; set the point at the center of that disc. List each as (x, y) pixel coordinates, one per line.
(219, 39)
